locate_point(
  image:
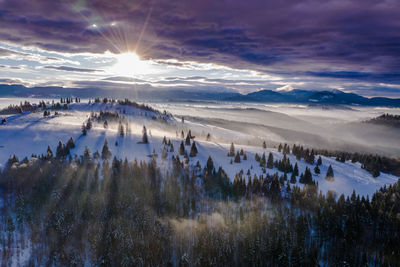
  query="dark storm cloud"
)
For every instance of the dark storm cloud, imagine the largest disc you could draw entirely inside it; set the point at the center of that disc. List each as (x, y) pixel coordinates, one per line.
(319, 38)
(66, 68)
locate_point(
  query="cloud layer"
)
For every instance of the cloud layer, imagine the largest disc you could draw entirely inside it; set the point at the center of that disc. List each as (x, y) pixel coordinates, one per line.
(335, 39)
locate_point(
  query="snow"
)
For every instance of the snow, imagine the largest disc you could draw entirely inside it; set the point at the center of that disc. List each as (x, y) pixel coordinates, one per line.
(29, 133)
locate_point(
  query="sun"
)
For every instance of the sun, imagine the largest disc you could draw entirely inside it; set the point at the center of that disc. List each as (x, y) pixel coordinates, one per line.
(130, 64)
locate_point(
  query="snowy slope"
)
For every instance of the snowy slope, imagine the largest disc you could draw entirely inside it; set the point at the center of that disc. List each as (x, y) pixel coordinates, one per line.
(29, 133)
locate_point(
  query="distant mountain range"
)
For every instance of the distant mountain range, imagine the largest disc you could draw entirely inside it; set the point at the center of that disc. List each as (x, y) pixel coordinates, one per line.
(334, 97)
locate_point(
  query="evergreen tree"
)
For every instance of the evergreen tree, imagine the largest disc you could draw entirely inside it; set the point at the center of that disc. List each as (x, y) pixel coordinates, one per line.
(296, 170)
(187, 141)
(237, 157)
(105, 124)
(293, 178)
(270, 162)
(308, 176)
(145, 139)
(209, 164)
(232, 150)
(263, 160)
(182, 149)
(60, 150)
(105, 153)
(86, 154)
(319, 161)
(317, 170)
(84, 131)
(193, 150)
(70, 144)
(329, 174)
(49, 153)
(264, 145)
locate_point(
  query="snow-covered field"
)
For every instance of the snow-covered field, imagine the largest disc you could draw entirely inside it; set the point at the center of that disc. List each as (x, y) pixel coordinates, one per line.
(31, 133)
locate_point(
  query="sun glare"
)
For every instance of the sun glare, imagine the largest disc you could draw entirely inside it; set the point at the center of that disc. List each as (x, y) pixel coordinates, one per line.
(129, 64)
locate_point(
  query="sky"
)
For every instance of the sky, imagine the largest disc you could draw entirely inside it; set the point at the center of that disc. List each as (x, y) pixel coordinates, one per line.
(226, 45)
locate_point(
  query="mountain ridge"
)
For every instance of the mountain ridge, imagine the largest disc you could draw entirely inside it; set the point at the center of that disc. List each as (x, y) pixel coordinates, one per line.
(296, 96)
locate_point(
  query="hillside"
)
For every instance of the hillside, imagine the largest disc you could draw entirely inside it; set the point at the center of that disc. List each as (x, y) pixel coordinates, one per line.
(31, 133)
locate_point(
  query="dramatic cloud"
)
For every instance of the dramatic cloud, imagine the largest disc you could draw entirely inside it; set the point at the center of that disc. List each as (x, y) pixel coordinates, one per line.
(333, 39)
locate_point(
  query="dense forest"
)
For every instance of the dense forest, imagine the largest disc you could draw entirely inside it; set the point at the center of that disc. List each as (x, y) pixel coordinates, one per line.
(102, 211)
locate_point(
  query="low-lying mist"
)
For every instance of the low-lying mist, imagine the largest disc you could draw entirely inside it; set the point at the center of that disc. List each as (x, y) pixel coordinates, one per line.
(326, 127)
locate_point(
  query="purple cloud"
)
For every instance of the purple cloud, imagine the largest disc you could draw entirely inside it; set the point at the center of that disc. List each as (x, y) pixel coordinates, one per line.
(334, 38)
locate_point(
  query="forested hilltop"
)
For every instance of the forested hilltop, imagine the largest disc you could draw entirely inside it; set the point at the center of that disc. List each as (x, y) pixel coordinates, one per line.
(386, 119)
(60, 210)
(114, 182)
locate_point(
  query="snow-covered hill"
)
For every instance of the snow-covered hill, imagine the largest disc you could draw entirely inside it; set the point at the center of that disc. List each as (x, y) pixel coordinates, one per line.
(30, 133)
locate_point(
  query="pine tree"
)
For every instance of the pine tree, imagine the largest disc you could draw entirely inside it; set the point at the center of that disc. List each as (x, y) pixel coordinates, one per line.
(86, 154)
(270, 162)
(280, 148)
(244, 156)
(49, 154)
(293, 178)
(296, 170)
(105, 153)
(264, 145)
(308, 176)
(105, 124)
(84, 131)
(193, 150)
(70, 144)
(237, 157)
(145, 140)
(60, 150)
(164, 142)
(263, 160)
(317, 170)
(232, 150)
(329, 174)
(209, 164)
(187, 141)
(319, 161)
(182, 149)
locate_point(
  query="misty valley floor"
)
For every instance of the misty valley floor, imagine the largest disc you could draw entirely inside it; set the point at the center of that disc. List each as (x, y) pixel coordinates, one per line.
(154, 204)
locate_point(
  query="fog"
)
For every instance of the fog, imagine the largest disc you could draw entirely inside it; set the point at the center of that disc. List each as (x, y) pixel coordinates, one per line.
(331, 127)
